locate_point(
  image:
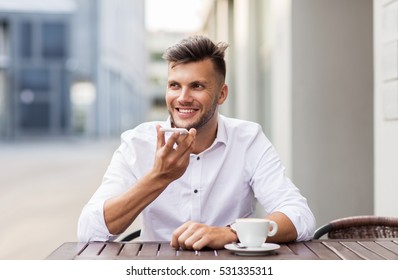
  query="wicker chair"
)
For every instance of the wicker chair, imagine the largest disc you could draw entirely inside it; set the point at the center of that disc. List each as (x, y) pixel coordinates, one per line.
(360, 227)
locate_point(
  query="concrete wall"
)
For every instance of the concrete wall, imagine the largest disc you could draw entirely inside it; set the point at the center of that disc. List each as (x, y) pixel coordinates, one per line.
(332, 106)
(386, 106)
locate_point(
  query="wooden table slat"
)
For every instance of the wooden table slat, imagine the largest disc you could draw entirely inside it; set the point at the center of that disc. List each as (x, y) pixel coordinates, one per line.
(341, 251)
(361, 251)
(130, 250)
(227, 255)
(149, 250)
(67, 251)
(206, 254)
(328, 249)
(380, 250)
(301, 249)
(187, 254)
(224, 254)
(166, 251)
(92, 250)
(283, 253)
(323, 252)
(112, 249)
(391, 245)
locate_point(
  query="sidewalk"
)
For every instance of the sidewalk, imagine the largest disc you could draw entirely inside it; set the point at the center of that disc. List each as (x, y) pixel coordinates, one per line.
(43, 187)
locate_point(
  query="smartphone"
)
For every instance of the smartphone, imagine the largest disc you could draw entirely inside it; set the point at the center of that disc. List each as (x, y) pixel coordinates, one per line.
(173, 129)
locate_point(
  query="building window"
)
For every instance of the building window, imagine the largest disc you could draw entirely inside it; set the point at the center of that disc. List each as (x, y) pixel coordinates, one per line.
(25, 39)
(35, 79)
(54, 40)
(35, 115)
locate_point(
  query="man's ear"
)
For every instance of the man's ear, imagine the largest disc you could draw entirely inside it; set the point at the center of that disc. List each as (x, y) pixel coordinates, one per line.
(223, 94)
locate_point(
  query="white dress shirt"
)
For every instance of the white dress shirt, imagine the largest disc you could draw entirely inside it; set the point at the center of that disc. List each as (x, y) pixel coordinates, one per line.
(220, 184)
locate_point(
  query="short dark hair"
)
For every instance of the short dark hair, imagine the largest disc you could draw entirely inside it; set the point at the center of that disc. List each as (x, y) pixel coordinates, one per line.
(198, 48)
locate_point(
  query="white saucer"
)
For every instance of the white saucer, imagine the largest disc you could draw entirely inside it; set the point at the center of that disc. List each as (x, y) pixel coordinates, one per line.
(266, 248)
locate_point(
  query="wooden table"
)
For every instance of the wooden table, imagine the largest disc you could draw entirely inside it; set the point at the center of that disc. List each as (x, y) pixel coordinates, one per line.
(347, 249)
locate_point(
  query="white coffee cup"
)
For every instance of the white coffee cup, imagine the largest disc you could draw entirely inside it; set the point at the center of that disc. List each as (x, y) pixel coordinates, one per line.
(253, 232)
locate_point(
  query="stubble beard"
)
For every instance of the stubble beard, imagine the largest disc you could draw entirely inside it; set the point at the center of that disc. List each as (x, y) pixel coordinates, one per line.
(203, 120)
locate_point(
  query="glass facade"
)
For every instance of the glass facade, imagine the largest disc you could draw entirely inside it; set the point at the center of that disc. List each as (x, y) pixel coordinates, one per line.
(97, 42)
(38, 82)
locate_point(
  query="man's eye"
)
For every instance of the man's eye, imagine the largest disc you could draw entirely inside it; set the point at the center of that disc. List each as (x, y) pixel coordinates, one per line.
(198, 86)
(173, 85)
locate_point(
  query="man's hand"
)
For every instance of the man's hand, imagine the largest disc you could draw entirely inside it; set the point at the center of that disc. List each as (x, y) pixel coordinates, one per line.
(172, 157)
(171, 161)
(195, 236)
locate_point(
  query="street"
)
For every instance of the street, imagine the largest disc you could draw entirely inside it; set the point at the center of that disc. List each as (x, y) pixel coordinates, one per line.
(43, 186)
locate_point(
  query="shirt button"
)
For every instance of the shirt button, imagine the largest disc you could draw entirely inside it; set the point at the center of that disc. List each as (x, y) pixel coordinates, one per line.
(198, 158)
(195, 191)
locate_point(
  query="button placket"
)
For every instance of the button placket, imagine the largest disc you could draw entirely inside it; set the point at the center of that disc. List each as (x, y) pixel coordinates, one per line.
(196, 178)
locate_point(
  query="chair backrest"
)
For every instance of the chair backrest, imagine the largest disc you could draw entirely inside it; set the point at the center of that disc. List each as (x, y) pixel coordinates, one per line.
(360, 227)
(132, 236)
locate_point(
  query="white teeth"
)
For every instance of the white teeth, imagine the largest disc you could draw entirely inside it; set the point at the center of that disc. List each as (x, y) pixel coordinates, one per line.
(186, 111)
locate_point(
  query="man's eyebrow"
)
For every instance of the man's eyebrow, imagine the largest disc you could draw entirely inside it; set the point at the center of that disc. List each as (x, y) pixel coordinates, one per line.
(199, 82)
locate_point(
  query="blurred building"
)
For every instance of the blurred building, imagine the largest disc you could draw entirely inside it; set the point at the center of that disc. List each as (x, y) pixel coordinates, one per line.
(34, 51)
(71, 67)
(122, 100)
(157, 43)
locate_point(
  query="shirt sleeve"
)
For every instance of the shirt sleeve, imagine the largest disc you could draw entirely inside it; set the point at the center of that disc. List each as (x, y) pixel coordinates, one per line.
(91, 225)
(277, 193)
(117, 179)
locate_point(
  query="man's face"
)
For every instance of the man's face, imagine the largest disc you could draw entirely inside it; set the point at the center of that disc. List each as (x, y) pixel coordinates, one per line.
(194, 91)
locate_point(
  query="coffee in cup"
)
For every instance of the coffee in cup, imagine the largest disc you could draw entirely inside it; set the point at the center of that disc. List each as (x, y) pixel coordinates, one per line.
(253, 232)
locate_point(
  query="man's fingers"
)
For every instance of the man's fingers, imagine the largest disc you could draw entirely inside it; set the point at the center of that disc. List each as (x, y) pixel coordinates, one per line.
(186, 142)
(201, 243)
(190, 236)
(196, 236)
(160, 137)
(173, 153)
(169, 144)
(177, 233)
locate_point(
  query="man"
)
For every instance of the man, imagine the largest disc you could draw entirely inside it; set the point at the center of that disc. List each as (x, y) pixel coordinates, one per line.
(190, 187)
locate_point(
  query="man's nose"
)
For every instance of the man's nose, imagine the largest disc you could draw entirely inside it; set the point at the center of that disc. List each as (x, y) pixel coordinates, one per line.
(185, 96)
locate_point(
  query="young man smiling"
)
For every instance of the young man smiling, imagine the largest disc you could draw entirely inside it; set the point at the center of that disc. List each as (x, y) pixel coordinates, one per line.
(190, 187)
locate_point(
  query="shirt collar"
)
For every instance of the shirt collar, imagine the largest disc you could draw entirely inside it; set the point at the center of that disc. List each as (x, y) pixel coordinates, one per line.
(221, 131)
(168, 122)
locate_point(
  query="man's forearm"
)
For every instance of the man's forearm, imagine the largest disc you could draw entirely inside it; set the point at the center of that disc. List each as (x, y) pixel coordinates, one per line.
(121, 211)
(286, 229)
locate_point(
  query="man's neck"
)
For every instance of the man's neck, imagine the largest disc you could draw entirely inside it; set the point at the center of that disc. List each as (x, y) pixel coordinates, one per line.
(205, 136)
